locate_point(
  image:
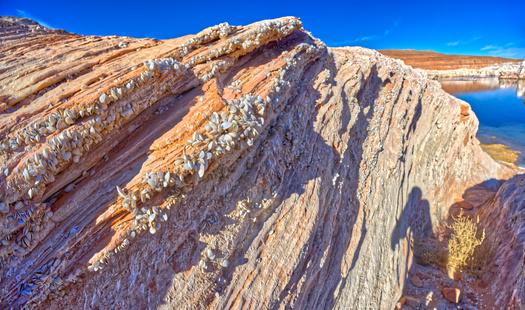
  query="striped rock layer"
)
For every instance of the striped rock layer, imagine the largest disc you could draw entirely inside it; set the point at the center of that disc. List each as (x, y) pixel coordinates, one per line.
(239, 168)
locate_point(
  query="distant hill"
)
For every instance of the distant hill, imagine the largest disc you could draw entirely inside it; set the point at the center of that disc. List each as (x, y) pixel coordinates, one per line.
(430, 60)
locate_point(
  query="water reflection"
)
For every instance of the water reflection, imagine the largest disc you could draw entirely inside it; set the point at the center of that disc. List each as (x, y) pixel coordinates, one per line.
(468, 85)
(499, 106)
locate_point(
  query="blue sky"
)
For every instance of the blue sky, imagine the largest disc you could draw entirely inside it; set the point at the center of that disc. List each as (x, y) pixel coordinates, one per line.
(494, 28)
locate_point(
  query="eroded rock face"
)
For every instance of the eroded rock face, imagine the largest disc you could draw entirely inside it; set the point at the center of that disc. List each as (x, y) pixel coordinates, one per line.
(503, 214)
(242, 167)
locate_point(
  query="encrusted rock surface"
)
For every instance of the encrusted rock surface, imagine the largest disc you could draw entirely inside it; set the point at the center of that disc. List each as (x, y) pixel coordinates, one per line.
(239, 168)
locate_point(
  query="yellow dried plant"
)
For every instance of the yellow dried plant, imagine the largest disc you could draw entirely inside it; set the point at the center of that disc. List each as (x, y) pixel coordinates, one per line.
(463, 241)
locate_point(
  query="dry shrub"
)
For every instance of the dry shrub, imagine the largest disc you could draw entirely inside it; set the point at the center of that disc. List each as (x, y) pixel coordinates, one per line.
(482, 255)
(468, 248)
(463, 242)
(430, 253)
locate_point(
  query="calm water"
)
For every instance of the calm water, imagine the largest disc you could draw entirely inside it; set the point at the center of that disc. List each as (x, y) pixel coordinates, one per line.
(500, 108)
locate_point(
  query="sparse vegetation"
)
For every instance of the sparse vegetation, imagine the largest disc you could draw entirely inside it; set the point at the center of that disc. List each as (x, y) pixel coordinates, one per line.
(463, 242)
(468, 248)
(482, 255)
(500, 152)
(430, 253)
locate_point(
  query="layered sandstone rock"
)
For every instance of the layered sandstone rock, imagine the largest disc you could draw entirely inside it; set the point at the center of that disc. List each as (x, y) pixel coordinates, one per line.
(242, 167)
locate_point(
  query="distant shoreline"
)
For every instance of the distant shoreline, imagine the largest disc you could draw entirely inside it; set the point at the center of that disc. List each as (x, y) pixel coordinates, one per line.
(430, 60)
(439, 65)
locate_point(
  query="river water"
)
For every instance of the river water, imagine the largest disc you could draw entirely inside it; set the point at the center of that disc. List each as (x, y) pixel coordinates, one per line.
(499, 106)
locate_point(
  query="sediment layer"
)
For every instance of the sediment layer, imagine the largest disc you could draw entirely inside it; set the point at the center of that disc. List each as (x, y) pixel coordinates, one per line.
(236, 168)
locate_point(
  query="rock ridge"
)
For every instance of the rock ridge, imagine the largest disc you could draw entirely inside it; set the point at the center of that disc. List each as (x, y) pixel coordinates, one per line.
(236, 168)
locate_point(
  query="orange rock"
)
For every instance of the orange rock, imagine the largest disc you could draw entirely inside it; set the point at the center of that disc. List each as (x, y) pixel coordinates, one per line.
(464, 204)
(465, 110)
(455, 210)
(454, 275)
(452, 294)
(400, 303)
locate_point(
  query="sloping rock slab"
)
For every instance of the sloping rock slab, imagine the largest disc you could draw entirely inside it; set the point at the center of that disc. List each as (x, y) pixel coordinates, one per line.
(237, 168)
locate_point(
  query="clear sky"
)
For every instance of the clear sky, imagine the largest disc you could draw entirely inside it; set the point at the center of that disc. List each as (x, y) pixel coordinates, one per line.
(483, 27)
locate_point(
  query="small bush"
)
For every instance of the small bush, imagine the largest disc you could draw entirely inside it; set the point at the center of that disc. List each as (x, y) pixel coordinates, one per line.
(463, 242)
(427, 253)
(468, 248)
(482, 255)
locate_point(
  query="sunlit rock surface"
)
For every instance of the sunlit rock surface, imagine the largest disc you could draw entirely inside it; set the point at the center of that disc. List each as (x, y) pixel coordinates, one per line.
(238, 168)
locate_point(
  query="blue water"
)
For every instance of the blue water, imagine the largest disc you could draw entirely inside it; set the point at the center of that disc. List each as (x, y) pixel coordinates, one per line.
(501, 113)
(496, 108)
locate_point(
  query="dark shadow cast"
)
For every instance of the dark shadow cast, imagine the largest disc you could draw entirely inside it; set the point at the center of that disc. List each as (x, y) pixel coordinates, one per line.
(359, 244)
(414, 221)
(341, 237)
(413, 233)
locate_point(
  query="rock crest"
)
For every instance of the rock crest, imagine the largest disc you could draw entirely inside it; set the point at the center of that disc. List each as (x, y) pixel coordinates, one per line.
(236, 168)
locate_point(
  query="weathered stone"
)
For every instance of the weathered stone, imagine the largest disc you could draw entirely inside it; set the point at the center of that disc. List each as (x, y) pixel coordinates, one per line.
(323, 178)
(465, 205)
(416, 281)
(422, 275)
(412, 302)
(452, 294)
(502, 214)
